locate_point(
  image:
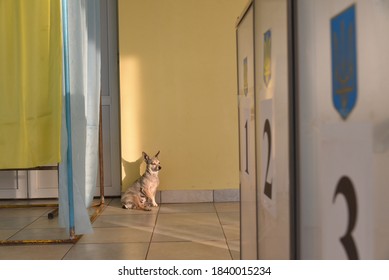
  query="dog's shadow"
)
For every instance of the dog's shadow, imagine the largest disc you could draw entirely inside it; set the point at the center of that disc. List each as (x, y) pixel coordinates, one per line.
(131, 172)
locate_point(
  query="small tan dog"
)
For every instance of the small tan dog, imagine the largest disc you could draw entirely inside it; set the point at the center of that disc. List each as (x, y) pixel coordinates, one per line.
(142, 192)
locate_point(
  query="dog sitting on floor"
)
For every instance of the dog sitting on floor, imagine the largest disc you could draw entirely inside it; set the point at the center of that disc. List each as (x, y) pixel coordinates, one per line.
(141, 194)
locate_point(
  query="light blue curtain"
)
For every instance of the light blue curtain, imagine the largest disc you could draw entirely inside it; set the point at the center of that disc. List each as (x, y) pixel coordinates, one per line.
(84, 78)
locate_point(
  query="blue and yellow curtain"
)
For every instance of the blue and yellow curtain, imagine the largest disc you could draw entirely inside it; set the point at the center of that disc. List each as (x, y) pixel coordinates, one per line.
(33, 125)
(83, 20)
(30, 83)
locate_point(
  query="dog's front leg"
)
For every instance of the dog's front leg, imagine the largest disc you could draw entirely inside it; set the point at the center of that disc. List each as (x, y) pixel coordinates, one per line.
(153, 202)
(153, 197)
(149, 194)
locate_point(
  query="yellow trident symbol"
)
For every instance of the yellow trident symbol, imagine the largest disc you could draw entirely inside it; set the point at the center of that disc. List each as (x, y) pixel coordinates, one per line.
(344, 70)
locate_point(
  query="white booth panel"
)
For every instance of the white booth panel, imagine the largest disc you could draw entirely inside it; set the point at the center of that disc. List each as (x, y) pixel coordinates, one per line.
(245, 62)
(272, 120)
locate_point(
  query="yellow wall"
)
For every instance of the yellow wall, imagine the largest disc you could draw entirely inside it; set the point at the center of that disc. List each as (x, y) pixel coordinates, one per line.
(178, 91)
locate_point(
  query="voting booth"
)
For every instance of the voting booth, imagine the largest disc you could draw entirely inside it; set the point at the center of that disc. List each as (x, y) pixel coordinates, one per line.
(263, 127)
(343, 128)
(314, 129)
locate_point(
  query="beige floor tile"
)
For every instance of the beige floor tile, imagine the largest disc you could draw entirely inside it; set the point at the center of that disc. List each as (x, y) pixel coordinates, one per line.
(227, 207)
(234, 246)
(176, 231)
(210, 250)
(41, 234)
(187, 208)
(227, 218)
(232, 232)
(181, 219)
(7, 233)
(187, 227)
(194, 232)
(44, 222)
(34, 252)
(117, 235)
(112, 251)
(15, 222)
(130, 221)
(24, 212)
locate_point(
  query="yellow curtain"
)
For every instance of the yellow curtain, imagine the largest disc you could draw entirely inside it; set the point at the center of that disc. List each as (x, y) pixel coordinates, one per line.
(30, 83)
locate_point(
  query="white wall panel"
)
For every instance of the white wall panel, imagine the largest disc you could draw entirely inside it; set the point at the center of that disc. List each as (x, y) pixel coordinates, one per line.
(13, 184)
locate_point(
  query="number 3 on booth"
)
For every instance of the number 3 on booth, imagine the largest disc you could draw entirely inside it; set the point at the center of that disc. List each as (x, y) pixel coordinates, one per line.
(346, 183)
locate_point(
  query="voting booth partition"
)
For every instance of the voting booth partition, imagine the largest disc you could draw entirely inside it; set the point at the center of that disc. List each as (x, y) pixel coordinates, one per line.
(246, 108)
(314, 129)
(264, 165)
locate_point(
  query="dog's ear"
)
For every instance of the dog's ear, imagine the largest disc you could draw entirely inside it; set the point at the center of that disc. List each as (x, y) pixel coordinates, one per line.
(157, 154)
(145, 156)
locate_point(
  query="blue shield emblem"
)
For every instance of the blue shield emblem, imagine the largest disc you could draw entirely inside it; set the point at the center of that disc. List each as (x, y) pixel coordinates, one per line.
(344, 62)
(267, 58)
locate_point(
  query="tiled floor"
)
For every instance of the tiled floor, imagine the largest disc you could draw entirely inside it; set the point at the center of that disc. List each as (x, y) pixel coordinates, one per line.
(171, 231)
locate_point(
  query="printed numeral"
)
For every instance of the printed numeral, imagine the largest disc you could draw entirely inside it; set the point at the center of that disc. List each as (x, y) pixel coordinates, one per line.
(268, 186)
(345, 187)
